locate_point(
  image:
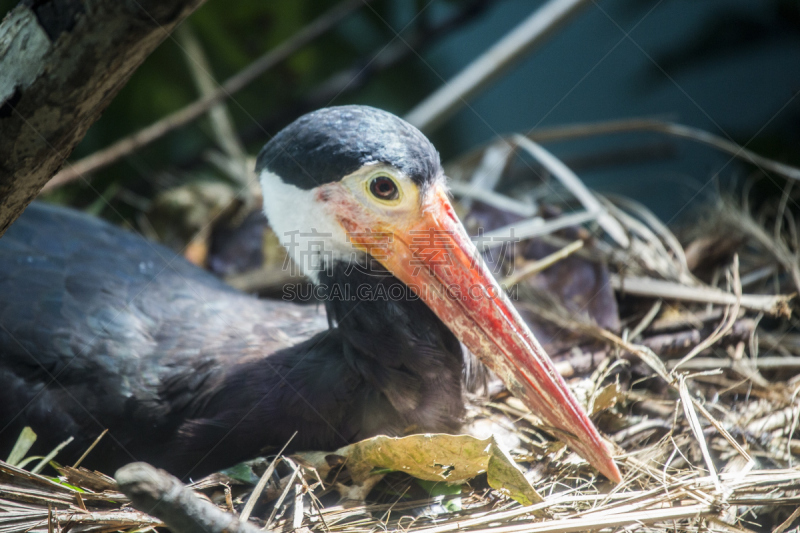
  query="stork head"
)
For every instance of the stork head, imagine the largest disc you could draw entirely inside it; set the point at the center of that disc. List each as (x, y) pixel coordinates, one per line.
(357, 180)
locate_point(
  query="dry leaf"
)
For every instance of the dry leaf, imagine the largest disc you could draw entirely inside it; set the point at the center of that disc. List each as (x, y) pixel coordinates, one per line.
(453, 459)
(606, 398)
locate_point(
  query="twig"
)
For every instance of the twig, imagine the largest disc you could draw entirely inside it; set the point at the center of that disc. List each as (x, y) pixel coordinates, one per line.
(297, 519)
(643, 352)
(776, 420)
(195, 110)
(112, 520)
(488, 173)
(629, 154)
(727, 325)
(745, 223)
(278, 504)
(669, 128)
(762, 363)
(646, 320)
(610, 520)
(517, 512)
(679, 342)
(758, 274)
(788, 522)
(490, 65)
(787, 189)
(546, 262)
(694, 425)
(90, 448)
(162, 495)
(492, 198)
(364, 68)
(646, 248)
(684, 319)
(571, 181)
(655, 224)
(725, 434)
(668, 290)
(526, 229)
(259, 488)
(221, 122)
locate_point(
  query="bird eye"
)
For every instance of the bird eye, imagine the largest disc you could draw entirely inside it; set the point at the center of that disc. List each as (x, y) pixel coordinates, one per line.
(384, 187)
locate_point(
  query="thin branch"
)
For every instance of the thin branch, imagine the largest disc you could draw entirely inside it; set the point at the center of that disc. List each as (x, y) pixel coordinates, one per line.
(492, 198)
(742, 221)
(573, 183)
(694, 425)
(762, 363)
(221, 121)
(525, 229)
(491, 65)
(262, 483)
(655, 224)
(546, 262)
(594, 522)
(668, 128)
(90, 448)
(646, 320)
(363, 69)
(726, 325)
(184, 116)
(668, 290)
(279, 503)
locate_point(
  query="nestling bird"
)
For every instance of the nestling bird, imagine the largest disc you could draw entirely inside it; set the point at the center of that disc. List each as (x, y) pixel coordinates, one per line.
(100, 328)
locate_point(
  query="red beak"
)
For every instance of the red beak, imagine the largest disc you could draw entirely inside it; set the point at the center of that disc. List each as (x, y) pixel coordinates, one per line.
(436, 258)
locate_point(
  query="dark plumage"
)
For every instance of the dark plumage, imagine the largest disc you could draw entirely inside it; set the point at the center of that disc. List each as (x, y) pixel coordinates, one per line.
(327, 144)
(101, 328)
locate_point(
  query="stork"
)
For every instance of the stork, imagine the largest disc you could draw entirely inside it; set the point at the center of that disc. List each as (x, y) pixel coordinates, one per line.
(100, 328)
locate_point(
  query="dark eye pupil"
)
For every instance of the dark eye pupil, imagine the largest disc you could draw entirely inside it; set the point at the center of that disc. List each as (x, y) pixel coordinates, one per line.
(383, 188)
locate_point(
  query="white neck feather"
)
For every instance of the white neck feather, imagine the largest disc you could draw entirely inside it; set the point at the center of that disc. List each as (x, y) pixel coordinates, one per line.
(305, 227)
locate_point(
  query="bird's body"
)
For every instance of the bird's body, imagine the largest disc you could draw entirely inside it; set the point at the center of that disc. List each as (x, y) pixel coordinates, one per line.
(100, 328)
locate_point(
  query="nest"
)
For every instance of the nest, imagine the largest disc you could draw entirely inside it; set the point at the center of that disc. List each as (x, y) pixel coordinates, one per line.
(683, 349)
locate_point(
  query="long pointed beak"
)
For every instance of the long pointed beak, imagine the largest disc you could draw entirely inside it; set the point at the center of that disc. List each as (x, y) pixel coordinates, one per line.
(436, 259)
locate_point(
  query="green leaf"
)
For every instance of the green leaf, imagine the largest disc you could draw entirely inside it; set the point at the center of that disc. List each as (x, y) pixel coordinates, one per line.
(24, 442)
(438, 488)
(29, 459)
(441, 489)
(242, 472)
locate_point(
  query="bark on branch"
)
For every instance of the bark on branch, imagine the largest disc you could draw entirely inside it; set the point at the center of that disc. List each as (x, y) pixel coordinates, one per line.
(62, 62)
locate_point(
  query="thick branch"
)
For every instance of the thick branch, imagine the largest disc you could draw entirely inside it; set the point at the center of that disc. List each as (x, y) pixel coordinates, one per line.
(62, 62)
(159, 494)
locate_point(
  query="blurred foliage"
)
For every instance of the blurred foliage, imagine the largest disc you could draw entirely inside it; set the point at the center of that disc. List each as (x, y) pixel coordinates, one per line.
(346, 66)
(728, 32)
(232, 35)
(734, 29)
